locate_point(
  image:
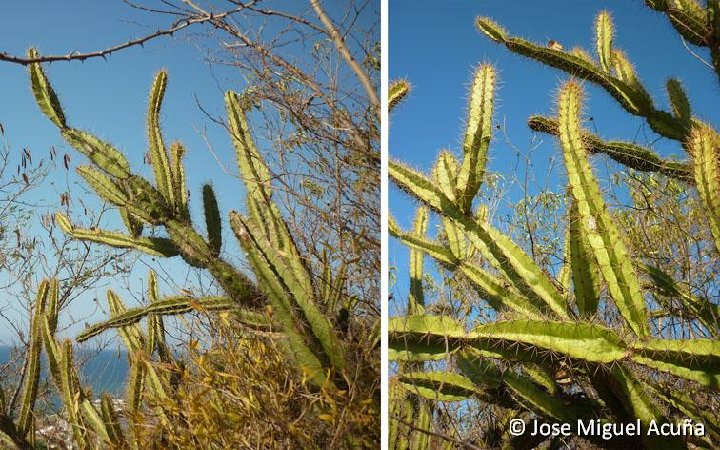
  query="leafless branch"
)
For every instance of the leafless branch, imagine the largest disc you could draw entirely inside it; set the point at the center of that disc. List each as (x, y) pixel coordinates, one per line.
(72, 56)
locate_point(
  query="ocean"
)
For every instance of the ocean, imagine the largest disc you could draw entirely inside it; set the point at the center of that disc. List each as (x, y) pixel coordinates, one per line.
(104, 371)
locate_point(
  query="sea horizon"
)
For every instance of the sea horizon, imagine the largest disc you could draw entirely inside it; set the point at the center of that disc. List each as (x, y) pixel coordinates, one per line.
(104, 371)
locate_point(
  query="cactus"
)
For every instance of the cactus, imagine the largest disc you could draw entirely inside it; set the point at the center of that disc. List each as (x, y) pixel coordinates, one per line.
(281, 270)
(589, 330)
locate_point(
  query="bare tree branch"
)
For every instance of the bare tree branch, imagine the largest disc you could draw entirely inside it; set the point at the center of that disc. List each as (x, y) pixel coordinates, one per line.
(175, 27)
(342, 48)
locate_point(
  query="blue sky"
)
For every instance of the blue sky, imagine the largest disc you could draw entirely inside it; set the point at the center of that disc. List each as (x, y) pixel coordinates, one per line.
(436, 48)
(109, 98)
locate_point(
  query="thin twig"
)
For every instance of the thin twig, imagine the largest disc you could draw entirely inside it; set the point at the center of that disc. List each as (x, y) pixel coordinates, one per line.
(342, 48)
(179, 25)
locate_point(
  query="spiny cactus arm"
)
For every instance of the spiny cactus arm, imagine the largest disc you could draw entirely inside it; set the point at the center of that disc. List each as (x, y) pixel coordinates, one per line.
(498, 249)
(628, 154)
(498, 294)
(422, 338)
(267, 227)
(166, 307)
(586, 283)
(104, 186)
(420, 439)
(101, 153)
(399, 409)
(62, 376)
(305, 358)
(299, 297)
(134, 341)
(158, 153)
(444, 174)
(634, 100)
(477, 136)
(541, 375)
(422, 244)
(265, 222)
(707, 312)
(155, 246)
(112, 423)
(130, 334)
(296, 261)
(580, 340)
(198, 253)
(337, 288)
(142, 372)
(687, 407)
(704, 146)
(679, 101)
(456, 239)
(535, 398)
(156, 323)
(397, 92)
(607, 246)
(133, 225)
(439, 386)
(603, 39)
(564, 276)
(638, 403)
(32, 378)
(416, 299)
(45, 96)
(625, 72)
(177, 174)
(713, 12)
(90, 415)
(482, 372)
(693, 359)
(212, 219)
(688, 18)
(253, 171)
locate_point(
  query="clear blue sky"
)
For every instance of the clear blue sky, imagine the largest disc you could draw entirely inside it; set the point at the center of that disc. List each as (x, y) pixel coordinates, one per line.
(435, 45)
(110, 99)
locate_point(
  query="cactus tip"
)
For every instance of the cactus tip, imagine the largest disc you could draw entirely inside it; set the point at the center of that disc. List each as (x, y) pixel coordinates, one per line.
(491, 28)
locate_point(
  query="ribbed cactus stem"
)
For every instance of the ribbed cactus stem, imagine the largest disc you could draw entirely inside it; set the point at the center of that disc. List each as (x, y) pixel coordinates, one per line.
(704, 146)
(168, 306)
(177, 171)
(622, 84)
(158, 153)
(631, 155)
(252, 168)
(32, 377)
(678, 100)
(155, 246)
(688, 18)
(103, 185)
(603, 40)
(212, 219)
(397, 92)
(45, 96)
(492, 29)
(416, 300)
(608, 248)
(477, 136)
(102, 154)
